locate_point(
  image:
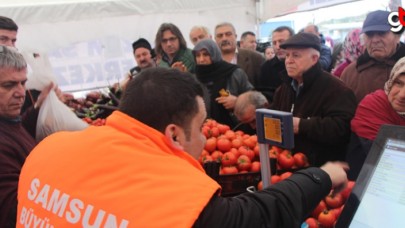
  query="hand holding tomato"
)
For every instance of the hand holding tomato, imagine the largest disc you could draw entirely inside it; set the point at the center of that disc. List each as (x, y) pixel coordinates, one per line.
(337, 174)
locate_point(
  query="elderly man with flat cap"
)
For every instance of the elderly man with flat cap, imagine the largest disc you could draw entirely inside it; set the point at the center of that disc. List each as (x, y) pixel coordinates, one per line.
(322, 106)
(383, 50)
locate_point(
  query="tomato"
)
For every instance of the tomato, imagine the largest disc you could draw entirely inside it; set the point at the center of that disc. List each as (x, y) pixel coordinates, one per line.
(285, 160)
(217, 155)
(206, 131)
(275, 179)
(223, 128)
(312, 222)
(334, 200)
(255, 166)
(257, 150)
(214, 131)
(229, 159)
(206, 158)
(249, 142)
(229, 134)
(229, 170)
(239, 132)
(210, 144)
(319, 208)
(244, 163)
(346, 192)
(247, 151)
(260, 185)
(224, 145)
(326, 218)
(235, 151)
(285, 175)
(337, 211)
(236, 143)
(277, 149)
(273, 154)
(300, 159)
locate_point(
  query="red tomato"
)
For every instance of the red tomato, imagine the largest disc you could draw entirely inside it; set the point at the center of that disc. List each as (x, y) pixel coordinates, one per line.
(235, 151)
(255, 166)
(285, 175)
(230, 135)
(244, 163)
(239, 132)
(337, 211)
(247, 151)
(275, 179)
(319, 208)
(217, 155)
(312, 222)
(346, 192)
(236, 143)
(300, 159)
(249, 142)
(326, 218)
(260, 185)
(211, 144)
(206, 158)
(273, 154)
(206, 131)
(223, 128)
(229, 170)
(224, 144)
(257, 150)
(214, 131)
(285, 160)
(229, 159)
(334, 200)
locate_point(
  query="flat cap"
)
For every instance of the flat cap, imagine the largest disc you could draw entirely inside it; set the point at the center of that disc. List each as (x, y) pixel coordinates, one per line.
(303, 40)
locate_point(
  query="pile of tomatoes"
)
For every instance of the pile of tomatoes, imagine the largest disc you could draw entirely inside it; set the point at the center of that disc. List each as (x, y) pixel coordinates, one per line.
(96, 122)
(329, 209)
(239, 152)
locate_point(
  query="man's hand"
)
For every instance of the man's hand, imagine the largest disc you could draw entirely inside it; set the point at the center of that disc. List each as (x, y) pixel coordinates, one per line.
(179, 66)
(44, 93)
(296, 124)
(227, 101)
(337, 173)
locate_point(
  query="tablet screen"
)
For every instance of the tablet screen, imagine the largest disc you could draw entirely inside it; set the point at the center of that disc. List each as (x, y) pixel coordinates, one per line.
(383, 201)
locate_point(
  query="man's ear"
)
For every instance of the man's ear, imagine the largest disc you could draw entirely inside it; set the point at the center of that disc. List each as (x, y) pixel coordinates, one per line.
(172, 132)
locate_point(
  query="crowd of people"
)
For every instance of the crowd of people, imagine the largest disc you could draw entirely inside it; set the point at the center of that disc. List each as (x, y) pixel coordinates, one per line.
(147, 151)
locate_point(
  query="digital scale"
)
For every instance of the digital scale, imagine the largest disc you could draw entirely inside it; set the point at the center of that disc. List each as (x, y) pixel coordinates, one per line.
(272, 128)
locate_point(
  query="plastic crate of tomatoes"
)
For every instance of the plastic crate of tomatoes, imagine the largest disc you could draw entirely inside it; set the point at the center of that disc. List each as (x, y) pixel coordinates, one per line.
(232, 158)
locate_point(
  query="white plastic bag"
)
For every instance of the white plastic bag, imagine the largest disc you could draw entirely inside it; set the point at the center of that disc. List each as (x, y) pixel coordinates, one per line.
(56, 116)
(53, 115)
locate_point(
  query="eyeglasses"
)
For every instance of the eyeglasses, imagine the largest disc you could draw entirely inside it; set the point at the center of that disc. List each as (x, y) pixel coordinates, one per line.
(171, 40)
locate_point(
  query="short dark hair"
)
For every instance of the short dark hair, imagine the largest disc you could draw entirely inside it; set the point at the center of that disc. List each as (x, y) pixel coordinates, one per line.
(160, 96)
(245, 34)
(175, 30)
(8, 24)
(283, 28)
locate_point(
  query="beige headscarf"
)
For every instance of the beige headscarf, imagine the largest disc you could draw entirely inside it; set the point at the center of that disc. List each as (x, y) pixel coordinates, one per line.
(397, 70)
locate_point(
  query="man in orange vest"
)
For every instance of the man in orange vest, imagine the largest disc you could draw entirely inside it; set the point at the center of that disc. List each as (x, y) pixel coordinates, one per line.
(141, 170)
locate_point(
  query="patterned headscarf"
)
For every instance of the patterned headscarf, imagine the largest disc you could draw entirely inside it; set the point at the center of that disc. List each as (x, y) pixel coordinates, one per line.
(397, 70)
(352, 45)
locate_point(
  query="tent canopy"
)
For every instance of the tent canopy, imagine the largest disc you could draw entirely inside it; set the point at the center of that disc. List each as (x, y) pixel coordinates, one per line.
(89, 41)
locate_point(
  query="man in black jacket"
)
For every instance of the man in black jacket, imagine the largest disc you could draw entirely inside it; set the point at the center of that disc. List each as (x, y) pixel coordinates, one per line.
(271, 70)
(322, 106)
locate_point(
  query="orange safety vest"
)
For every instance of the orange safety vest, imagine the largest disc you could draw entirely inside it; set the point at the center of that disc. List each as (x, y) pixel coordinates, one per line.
(124, 174)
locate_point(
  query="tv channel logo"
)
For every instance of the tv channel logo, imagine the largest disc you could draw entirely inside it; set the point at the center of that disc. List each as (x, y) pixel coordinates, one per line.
(396, 20)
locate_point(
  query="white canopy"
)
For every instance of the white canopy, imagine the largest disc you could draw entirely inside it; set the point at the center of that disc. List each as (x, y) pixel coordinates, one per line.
(89, 41)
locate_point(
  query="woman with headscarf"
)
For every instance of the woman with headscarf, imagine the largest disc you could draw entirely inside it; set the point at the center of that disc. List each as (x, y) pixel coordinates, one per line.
(224, 81)
(380, 107)
(352, 49)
